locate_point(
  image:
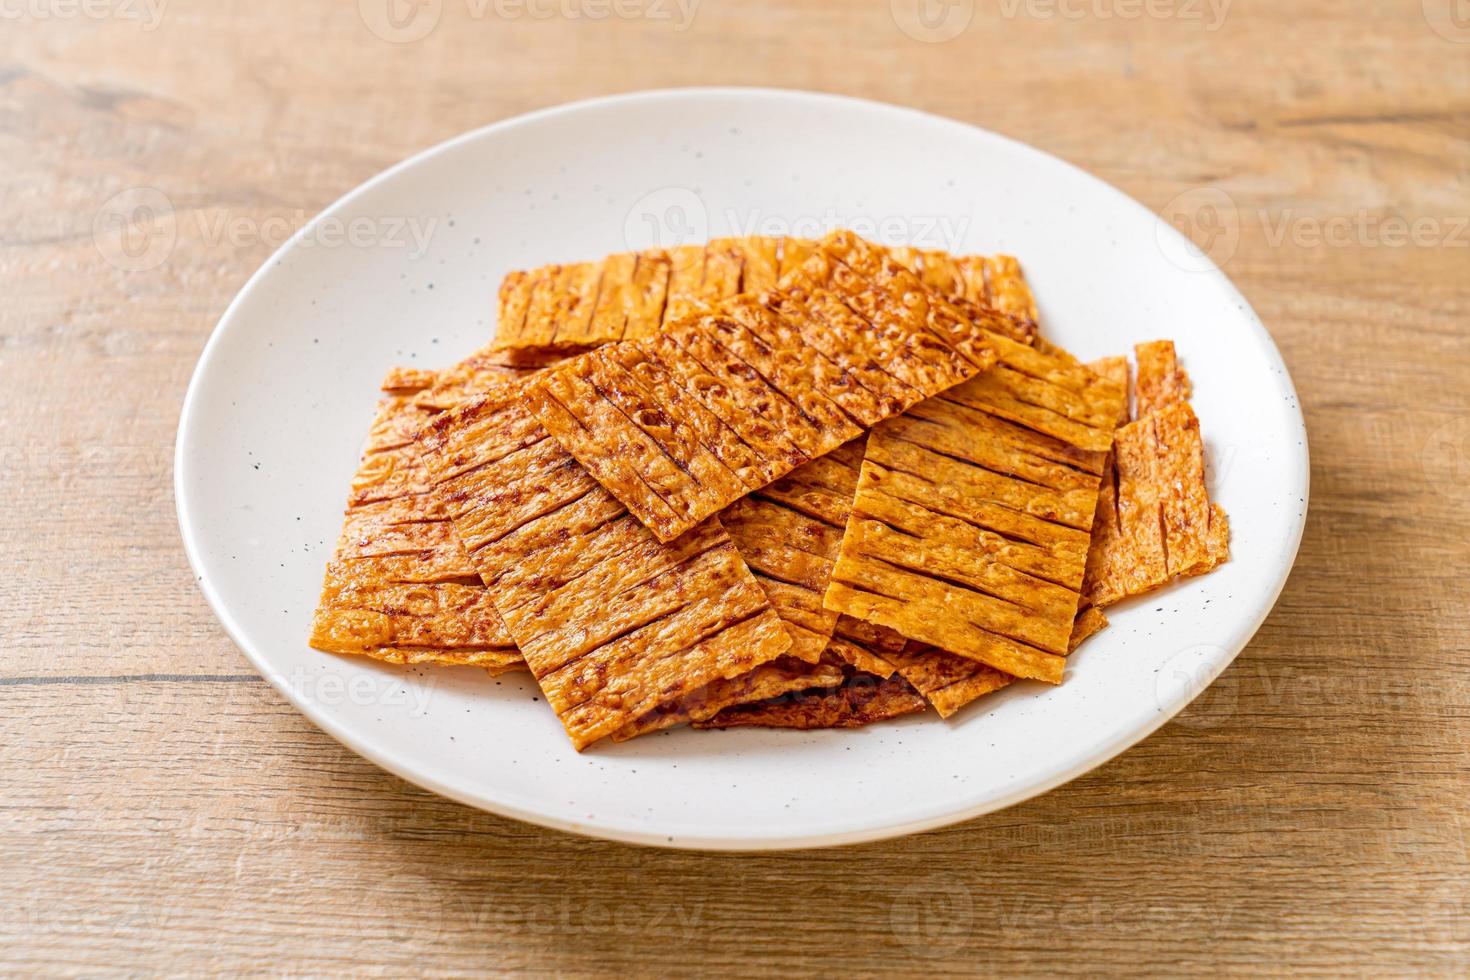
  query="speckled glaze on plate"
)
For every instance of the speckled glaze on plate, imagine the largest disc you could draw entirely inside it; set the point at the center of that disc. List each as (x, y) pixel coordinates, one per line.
(403, 271)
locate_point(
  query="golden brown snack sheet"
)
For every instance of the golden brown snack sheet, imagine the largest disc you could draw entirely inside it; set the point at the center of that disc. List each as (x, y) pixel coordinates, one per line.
(859, 699)
(399, 587)
(789, 533)
(781, 676)
(950, 682)
(1154, 520)
(970, 530)
(1089, 622)
(565, 309)
(753, 375)
(865, 646)
(946, 680)
(562, 309)
(611, 622)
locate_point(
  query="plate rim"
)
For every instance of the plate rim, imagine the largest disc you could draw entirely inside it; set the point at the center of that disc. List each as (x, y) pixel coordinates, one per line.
(1097, 756)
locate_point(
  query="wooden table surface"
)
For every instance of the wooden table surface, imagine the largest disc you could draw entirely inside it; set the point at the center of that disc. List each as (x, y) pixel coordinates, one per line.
(164, 809)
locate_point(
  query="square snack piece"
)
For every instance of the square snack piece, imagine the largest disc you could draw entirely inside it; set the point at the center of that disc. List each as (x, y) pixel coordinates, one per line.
(611, 622)
(971, 525)
(1154, 518)
(399, 586)
(723, 403)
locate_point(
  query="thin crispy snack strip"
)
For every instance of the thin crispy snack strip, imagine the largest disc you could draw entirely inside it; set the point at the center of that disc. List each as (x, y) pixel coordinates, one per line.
(561, 309)
(949, 682)
(858, 700)
(1089, 622)
(557, 310)
(970, 531)
(1161, 381)
(1154, 518)
(865, 646)
(399, 587)
(612, 622)
(786, 404)
(568, 309)
(781, 676)
(1163, 524)
(789, 534)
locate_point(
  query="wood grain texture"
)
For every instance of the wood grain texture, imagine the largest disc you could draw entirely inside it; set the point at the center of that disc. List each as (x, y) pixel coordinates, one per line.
(164, 810)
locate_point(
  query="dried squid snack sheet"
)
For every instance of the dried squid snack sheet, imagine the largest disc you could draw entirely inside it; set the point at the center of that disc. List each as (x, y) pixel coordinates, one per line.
(399, 587)
(865, 646)
(781, 676)
(970, 530)
(1161, 381)
(562, 309)
(1089, 622)
(1162, 524)
(1154, 519)
(947, 681)
(612, 622)
(556, 310)
(789, 533)
(988, 282)
(730, 401)
(858, 699)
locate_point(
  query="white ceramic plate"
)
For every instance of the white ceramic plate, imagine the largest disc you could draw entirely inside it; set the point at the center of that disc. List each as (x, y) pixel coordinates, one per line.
(403, 271)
